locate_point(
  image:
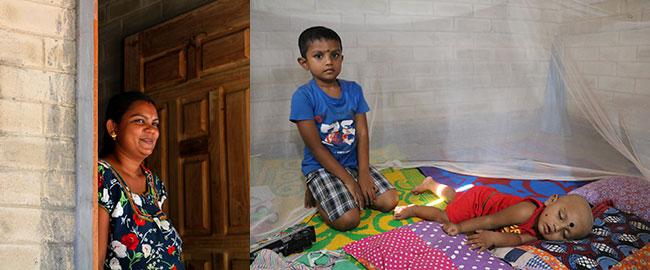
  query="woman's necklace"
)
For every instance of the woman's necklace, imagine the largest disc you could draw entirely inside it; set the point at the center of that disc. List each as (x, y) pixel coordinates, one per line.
(136, 209)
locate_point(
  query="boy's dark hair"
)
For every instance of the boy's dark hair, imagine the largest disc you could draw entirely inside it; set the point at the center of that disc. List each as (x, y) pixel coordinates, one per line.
(316, 33)
(117, 107)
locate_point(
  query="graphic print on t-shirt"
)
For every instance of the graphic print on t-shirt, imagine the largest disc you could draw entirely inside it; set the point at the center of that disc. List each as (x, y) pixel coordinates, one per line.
(339, 135)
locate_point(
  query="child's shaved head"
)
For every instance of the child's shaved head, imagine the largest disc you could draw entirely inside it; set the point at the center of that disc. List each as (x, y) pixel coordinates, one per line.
(565, 218)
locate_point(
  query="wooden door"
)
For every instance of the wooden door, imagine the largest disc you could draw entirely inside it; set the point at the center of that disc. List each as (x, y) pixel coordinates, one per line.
(196, 67)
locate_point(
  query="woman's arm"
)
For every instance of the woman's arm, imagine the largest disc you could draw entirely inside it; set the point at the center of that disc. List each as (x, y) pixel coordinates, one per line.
(103, 236)
(309, 134)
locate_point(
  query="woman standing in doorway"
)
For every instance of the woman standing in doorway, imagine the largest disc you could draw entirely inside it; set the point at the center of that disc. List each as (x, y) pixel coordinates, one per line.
(134, 232)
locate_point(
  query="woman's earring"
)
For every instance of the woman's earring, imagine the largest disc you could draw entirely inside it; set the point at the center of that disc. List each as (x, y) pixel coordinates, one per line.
(114, 135)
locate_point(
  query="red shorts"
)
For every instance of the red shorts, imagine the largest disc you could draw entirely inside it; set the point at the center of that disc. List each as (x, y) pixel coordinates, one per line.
(479, 201)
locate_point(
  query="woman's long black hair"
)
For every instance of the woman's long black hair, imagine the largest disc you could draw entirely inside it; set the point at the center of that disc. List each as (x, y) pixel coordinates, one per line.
(117, 107)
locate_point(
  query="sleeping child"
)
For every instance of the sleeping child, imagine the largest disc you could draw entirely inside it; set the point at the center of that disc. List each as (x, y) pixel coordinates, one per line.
(515, 220)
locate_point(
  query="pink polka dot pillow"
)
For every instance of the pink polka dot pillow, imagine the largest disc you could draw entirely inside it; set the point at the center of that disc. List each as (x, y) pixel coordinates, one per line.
(629, 194)
(422, 245)
(397, 249)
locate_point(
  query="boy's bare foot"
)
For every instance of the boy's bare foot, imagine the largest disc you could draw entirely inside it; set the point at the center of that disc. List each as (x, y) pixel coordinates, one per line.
(427, 184)
(404, 211)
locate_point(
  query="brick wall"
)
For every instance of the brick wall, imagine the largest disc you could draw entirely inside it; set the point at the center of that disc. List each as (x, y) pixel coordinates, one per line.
(121, 18)
(610, 44)
(37, 134)
(417, 60)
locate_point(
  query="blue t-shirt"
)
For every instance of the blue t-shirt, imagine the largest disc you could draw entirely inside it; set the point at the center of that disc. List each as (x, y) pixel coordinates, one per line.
(334, 118)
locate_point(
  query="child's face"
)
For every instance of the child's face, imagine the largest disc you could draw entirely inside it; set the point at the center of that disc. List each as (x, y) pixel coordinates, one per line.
(565, 218)
(323, 59)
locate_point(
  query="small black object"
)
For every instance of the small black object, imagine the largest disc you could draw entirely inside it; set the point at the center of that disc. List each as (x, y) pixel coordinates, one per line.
(295, 239)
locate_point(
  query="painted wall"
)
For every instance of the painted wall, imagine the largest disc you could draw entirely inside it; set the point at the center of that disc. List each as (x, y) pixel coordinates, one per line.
(37, 134)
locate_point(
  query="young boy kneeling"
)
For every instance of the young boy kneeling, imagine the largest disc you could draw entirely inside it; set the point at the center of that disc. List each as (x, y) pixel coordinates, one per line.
(331, 117)
(518, 220)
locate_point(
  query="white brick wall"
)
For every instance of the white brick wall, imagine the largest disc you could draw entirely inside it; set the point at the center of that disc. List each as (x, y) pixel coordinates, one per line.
(20, 187)
(490, 11)
(610, 45)
(617, 84)
(472, 25)
(352, 6)
(393, 47)
(45, 87)
(37, 133)
(281, 5)
(452, 9)
(423, 59)
(21, 49)
(37, 18)
(21, 117)
(57, 54)
(411, 7)
(18, 256)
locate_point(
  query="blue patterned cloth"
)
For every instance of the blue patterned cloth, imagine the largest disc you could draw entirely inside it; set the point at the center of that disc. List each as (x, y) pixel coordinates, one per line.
(140, 236)
(614, 236)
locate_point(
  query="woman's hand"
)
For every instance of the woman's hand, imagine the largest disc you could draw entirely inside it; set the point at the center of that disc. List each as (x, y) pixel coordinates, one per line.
(368, 188)
(482, 240)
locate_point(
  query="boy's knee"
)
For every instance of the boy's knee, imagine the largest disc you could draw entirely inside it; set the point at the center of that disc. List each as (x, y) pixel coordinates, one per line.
(387, 201)
(347, 221)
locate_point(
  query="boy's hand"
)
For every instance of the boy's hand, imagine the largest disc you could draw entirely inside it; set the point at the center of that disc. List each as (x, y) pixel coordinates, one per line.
(482, 239)
(368, 188)
(451, 228)
(356, 194)
(309, 199)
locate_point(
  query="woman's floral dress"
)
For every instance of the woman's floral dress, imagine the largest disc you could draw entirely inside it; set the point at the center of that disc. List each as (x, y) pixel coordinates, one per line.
(140, 235)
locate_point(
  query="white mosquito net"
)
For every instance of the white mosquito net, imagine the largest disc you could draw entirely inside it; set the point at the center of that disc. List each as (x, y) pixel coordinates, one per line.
(498, 88)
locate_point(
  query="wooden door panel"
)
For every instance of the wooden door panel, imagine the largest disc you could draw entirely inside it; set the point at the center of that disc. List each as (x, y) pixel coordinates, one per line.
(157, 161)
(223, 50)
(196, 216)
(239, 264)
(170, 67)
(194, 173)
(236, 151)
(216, 18)
(220, 27)
(200, 261)
(196, 68)
(194, 116)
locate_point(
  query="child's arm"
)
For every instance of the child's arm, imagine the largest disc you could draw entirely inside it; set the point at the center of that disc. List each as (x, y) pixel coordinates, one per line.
(515, 214)
(309, 134)
(487, 239)
(368, 188)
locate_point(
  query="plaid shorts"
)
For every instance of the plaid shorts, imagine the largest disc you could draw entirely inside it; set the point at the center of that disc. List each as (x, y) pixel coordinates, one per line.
(332, 195)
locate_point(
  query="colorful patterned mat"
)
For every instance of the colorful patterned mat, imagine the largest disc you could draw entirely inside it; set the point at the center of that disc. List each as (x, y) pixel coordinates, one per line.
(373, 222)
(615, 237)
(539, 189)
